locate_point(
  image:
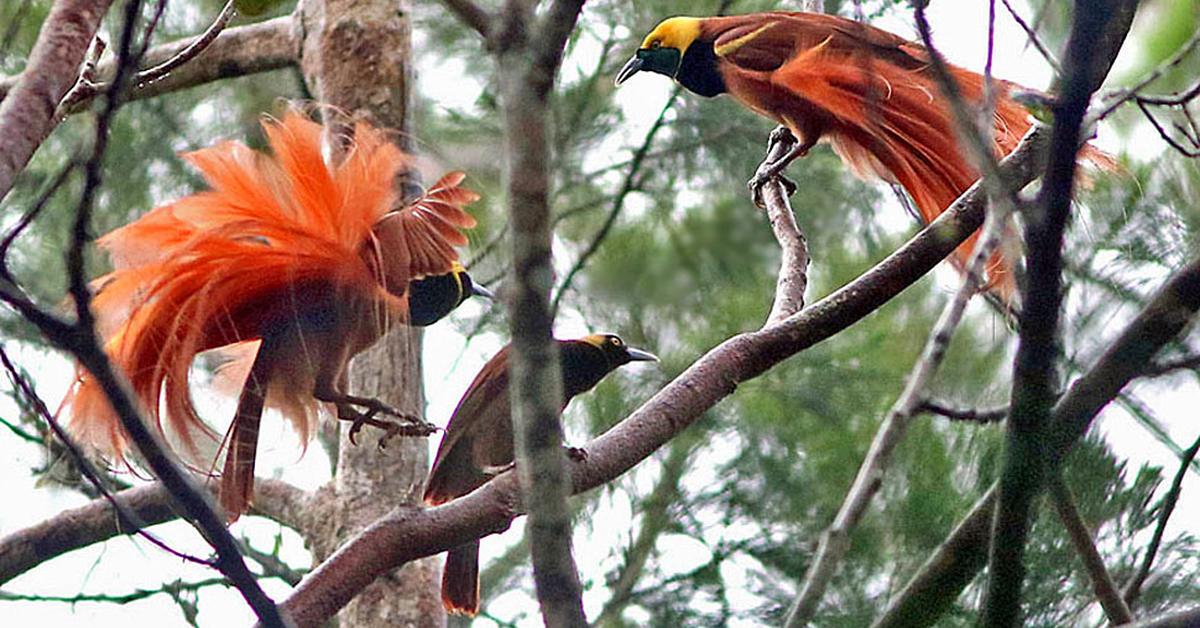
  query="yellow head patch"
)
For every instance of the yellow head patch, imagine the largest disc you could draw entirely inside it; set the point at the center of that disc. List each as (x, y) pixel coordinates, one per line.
(673, 32)
(457, 271)
(601, 340)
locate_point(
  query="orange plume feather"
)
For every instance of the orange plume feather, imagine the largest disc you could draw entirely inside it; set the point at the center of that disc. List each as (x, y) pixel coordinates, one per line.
(287, 258)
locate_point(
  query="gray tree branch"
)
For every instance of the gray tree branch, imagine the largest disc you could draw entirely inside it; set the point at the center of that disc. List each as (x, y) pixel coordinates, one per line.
(1102, 583)
(938, 583)
(237, 51)
(96, 521)
(529, 52)
(1035, 379)
(27, 116)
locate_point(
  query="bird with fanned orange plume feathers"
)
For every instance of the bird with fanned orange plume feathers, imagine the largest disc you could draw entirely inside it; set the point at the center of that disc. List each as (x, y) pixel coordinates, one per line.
(290, 263)
(869, 93)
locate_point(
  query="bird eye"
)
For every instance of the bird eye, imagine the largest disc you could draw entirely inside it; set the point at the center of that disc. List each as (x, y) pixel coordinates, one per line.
(616, 342)
(656, 44)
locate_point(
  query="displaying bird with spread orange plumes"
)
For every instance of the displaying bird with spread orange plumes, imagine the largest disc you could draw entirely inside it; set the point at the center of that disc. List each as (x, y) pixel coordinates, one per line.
(478, 443)
(290, 263)
(867, 92)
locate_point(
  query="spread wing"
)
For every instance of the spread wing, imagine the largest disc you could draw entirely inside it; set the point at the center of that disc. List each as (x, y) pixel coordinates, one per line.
(430, 227)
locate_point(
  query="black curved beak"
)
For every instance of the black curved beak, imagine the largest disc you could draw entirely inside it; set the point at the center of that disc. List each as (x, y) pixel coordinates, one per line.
(633, 66)
(637, 355)
(479, 291)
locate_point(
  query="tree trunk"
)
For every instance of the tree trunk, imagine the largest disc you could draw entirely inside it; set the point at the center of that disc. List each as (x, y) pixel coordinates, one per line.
(356, 57)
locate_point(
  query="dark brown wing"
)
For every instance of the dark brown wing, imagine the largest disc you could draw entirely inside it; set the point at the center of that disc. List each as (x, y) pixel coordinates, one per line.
(483, 414)
(419, 240)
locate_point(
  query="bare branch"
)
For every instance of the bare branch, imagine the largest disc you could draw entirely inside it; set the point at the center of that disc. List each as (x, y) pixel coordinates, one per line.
(1035, 380)
(97, 521)
(406, 534)
(792, 280)
(528, 57)
(471, 14)
(627, 186)
(27, 117)
(966, 415)
(1032, 35)
(943, 576)
(1134, 588)
(1102, 583)
(238, 51)
(194, 48)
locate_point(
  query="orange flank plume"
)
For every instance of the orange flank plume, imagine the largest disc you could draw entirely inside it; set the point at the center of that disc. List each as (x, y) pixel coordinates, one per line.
(297, 262)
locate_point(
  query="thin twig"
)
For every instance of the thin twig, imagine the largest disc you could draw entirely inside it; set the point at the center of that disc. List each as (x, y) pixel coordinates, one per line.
(136, 595)
(472, 15)
(627, 186)
(1166, 137)
(127, 518)
(1187, 362)
(160, 7)
(1033, 37)
(1134, 588)
(28, 217)
(192, 50)
(1102, 583)
(1117, 98)
(966, 415)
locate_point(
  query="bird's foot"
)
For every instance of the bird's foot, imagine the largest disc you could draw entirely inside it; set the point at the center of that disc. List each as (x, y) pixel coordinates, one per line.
(780, 142)
(413, 426)
(762, 178)
(577, 454)
(418, 429)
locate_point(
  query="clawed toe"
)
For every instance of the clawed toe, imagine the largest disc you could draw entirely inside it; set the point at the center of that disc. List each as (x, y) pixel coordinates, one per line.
(416, 429)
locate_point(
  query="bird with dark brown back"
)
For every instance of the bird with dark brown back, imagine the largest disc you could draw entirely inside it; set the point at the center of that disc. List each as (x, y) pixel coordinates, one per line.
(478, 443)
(869, 93)
(291, 265)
